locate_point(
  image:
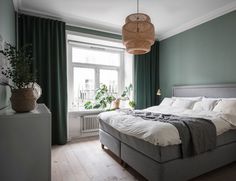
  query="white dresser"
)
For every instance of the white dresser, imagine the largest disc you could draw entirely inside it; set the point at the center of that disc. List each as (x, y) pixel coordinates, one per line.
(25, 145)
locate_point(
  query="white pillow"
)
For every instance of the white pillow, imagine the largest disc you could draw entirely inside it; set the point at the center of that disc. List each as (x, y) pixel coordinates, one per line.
(210, 98)
(167, 102)
(205, 105)
(226, 107)
(183, 103)
(188, 98)
(228, 99)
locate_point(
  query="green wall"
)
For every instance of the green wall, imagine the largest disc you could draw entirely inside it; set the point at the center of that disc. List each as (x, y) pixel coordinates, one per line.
(205, 54)
(7, 30)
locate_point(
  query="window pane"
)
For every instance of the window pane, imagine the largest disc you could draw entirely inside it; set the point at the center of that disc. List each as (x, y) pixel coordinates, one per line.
(84, 85)
(93, 56)
(110, 79)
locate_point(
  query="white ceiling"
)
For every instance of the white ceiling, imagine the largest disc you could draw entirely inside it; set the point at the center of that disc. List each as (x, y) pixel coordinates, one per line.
(168, 16)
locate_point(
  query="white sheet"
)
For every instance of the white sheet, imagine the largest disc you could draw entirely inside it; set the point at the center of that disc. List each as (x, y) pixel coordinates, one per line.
(159, 133)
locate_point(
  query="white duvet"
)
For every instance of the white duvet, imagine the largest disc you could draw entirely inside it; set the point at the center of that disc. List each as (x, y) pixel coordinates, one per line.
(159, 133)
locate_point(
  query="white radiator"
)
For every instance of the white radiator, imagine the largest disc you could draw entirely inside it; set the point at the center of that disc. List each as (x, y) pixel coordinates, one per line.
(89, 125)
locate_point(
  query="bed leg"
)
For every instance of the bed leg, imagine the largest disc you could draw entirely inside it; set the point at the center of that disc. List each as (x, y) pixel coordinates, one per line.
(124, 165)
(102, 145)
(120, 161)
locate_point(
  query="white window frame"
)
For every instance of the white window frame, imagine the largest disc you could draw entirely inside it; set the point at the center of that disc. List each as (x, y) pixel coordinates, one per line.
(96, 67)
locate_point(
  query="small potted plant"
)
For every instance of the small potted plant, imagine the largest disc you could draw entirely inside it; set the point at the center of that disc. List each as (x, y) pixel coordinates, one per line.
(17, 74)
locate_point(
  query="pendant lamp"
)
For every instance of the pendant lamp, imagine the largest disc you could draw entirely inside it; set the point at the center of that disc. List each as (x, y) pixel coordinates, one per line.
(138, 33)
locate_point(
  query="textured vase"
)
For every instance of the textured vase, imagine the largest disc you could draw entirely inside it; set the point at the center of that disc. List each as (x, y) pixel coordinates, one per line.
(23, 100)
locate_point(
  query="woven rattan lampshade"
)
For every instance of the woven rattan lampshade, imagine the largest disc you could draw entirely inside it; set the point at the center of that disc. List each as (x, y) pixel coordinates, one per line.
(138, 33)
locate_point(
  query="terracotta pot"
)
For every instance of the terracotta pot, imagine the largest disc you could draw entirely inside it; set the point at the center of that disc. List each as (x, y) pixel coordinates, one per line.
(116, 104)
(23, 100)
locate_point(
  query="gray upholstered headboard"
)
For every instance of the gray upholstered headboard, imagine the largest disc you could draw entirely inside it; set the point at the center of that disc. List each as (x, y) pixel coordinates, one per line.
(220, 90)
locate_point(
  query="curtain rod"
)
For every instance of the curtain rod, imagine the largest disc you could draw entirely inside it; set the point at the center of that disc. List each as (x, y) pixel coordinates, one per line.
(85, 43)
(30, 13)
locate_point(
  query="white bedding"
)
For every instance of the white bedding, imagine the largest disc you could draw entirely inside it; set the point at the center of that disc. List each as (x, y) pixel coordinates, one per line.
(159, 133)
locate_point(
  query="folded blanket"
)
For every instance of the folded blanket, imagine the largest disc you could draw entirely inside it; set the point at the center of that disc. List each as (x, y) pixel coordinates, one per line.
(197, 135)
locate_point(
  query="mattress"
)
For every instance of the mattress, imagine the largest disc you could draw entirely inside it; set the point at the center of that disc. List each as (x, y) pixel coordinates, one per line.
(160, 154)
(160, 133)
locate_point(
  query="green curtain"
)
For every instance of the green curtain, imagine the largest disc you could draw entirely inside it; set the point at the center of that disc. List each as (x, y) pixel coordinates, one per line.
(146, 78)
(48, 40)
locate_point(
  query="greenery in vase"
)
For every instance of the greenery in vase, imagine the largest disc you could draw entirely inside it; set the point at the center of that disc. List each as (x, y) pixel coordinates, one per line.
(126, 95)
(19, 69)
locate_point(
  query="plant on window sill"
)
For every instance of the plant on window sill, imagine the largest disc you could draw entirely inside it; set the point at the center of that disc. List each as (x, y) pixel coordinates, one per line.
(126, 96)
(104, 99)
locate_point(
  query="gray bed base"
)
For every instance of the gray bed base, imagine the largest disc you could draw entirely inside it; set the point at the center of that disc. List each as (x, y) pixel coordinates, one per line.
(174, 170)
(178, 169)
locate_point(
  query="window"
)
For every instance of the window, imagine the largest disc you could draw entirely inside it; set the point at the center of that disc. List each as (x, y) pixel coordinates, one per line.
(93, 64)
(93, 56)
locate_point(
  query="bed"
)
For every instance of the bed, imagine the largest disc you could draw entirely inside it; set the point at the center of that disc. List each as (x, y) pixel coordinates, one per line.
(164, 163)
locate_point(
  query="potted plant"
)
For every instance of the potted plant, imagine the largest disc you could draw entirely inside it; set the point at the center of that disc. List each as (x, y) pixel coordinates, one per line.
(104, 99)
(17, 74)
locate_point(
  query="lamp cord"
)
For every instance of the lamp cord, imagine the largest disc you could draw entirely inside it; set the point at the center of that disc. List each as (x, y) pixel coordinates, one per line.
(137, 15)
(137, 6)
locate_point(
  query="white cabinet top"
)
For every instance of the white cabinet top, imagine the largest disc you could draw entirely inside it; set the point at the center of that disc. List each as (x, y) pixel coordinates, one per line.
(40, 109)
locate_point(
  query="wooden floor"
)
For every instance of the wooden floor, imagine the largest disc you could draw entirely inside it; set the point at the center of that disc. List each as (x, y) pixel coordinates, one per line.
(85, 160)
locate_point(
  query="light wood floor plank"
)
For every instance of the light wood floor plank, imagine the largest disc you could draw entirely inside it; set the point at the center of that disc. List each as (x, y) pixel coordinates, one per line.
(85, 160)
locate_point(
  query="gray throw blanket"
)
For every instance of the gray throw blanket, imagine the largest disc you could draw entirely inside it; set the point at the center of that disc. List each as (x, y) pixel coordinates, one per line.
(197, 135)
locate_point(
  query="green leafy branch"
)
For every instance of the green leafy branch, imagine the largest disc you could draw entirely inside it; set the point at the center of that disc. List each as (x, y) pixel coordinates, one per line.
(103, 99)
(126, 95)
(19, 70)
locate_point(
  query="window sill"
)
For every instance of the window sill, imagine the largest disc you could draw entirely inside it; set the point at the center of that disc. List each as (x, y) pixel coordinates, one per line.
(82, 112)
